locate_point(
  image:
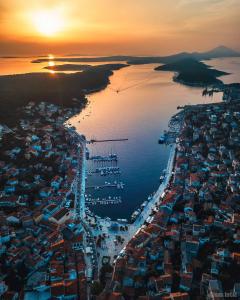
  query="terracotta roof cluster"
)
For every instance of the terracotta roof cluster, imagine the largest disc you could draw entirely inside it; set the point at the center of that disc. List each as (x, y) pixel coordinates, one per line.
(191, 247)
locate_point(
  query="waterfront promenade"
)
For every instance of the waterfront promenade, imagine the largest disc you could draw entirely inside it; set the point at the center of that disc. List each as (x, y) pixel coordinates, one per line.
(112, 249)
(113, 241)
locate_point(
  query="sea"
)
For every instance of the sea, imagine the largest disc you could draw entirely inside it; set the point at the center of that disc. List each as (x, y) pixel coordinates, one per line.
(137, 106)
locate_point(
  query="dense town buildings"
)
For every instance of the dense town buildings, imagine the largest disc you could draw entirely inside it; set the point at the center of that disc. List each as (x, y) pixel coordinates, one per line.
(188, 249)
(191, 248)
(39, 240)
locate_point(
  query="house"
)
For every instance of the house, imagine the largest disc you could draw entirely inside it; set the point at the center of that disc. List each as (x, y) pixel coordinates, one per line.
(195, 180)
(164, 282)
(186, 281)
(61, 216)
(215, 291)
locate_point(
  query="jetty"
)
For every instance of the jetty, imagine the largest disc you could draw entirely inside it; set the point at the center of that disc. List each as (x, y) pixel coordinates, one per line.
(104, 201)
(100, 158)
(118, 185)
(92, 141)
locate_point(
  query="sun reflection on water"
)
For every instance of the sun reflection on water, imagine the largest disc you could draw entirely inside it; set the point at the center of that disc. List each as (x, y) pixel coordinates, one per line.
(51, 63)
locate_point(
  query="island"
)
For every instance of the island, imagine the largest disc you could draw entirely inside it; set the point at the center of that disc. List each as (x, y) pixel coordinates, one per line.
(68, 67)
(193, 72)
(217, 52)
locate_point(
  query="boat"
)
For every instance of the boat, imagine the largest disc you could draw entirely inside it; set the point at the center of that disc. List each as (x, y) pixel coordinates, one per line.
(162, 139)
(161, 178)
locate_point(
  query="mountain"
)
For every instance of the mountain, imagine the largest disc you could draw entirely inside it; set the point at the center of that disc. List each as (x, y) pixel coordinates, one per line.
(217, 52)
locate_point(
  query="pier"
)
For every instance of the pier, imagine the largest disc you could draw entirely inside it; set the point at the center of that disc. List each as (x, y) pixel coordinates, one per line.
(104, 201)
(99, 158)
(118, 185)
(103, 171)
(92, 141)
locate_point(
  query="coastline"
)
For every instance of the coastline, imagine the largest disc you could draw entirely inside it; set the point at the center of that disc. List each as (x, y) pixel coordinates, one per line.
(196, 85)
(156, 198)
(142, 221)
(133, 228)
(59, 88)
(182, 209)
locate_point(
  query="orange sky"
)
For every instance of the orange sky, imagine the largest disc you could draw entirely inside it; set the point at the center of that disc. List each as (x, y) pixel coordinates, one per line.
(104, 27)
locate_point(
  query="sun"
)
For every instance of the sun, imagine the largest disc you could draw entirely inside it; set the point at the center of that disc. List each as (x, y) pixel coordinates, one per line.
(48, 23)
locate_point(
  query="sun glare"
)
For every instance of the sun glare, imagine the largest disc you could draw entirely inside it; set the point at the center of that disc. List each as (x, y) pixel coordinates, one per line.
(48, 23)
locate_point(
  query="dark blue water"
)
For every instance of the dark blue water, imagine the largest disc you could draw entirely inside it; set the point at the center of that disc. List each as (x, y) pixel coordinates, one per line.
(141, 114)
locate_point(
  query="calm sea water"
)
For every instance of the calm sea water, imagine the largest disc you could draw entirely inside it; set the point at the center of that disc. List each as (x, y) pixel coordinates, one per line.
(140, 112)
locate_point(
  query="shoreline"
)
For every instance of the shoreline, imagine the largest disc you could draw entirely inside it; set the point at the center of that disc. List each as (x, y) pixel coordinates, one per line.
(162, 187)
(172, 230)
(113, 250)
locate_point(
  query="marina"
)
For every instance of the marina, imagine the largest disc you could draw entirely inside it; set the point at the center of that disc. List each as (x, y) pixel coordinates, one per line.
(105, 172)
(130, 135)
(108, 158)
(118, 185)
(104, 201)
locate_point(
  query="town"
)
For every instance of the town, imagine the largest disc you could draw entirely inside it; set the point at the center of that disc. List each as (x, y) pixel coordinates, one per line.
(191, 247)
(184, 242)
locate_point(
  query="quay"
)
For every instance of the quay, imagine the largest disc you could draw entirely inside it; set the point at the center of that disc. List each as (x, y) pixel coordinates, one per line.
(110, 246)
(118, 185)
(105, 173)
(104, 201)
(99, 158)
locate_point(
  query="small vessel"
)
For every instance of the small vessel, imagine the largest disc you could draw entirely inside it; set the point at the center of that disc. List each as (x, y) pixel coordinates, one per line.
(161, 178)
(162, 139)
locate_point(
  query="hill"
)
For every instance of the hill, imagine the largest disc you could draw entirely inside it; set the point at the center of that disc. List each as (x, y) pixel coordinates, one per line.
(217, 52)
(59, 88)
(193, 72)
(68, 67)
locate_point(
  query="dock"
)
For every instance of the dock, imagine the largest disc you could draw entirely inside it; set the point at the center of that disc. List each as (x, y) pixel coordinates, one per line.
(104, 201)
(118, 185)
(99, 158)
(103, 171)
(92, 141)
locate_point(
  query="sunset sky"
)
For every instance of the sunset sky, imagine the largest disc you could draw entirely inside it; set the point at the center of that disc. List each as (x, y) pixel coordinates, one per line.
(106, 27)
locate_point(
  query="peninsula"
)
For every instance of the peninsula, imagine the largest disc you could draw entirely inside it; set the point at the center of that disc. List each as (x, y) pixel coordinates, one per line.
(189, 66)
(193, 72)
(60, 88)
(68, 67)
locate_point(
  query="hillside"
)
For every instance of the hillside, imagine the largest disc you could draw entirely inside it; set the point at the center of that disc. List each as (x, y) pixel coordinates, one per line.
(59, 88)
(217, 52)
(68, 67)
(192, 72)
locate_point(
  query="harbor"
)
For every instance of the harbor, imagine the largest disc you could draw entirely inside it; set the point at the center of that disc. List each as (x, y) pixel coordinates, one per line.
(115, 184)
(141, 160)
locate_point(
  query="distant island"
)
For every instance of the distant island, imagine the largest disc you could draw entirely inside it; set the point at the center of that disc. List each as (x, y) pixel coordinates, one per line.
(68, 67)
(77, 67)
(193, 72)
(217, 52)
